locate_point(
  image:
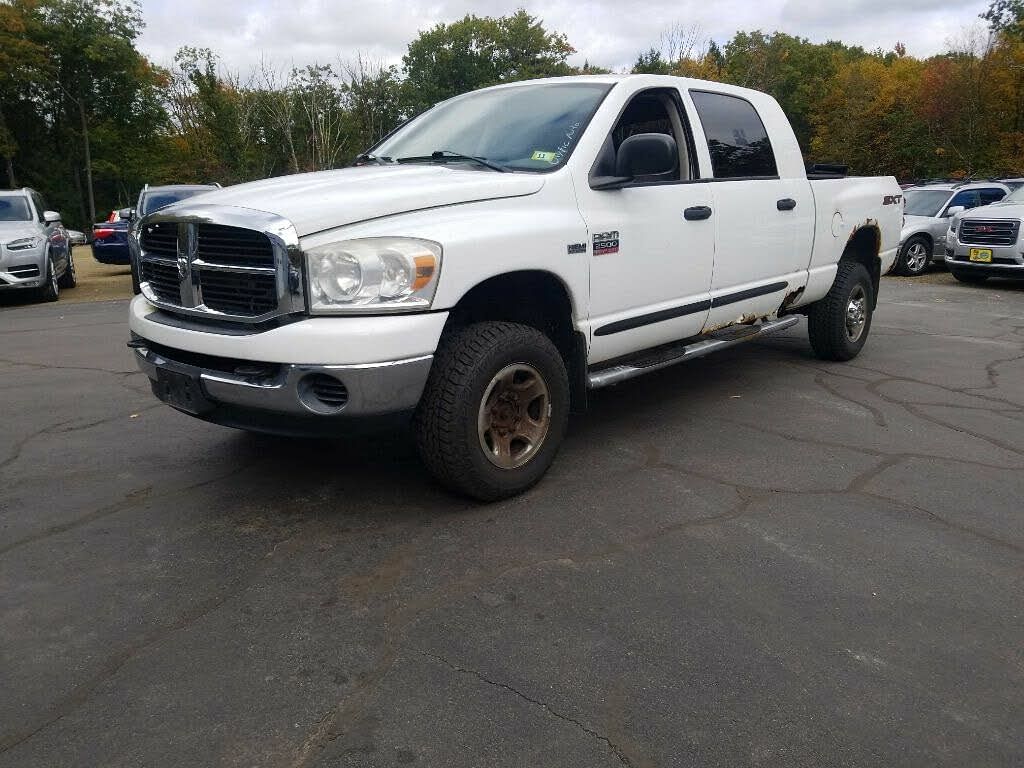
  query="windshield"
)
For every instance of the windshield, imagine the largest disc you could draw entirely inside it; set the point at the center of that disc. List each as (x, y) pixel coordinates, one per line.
(925, 202)
(524, 128)
(154, 201)
(15, 209)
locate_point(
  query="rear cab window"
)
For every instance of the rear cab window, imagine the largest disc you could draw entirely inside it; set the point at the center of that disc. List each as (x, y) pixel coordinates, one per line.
(736, 136)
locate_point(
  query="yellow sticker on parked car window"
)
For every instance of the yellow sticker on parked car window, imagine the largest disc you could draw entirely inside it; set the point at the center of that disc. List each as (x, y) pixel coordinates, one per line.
(547, 157)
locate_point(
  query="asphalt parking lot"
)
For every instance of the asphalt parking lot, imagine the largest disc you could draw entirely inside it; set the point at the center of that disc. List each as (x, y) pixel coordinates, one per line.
(752, 559)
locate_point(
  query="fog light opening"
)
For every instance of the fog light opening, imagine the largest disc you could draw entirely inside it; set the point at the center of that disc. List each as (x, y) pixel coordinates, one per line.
(323, 394)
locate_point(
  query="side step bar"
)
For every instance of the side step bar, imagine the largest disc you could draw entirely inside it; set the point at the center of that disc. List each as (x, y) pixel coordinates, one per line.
(629, 370)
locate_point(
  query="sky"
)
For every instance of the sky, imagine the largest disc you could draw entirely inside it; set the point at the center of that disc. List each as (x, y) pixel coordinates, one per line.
(608, 33)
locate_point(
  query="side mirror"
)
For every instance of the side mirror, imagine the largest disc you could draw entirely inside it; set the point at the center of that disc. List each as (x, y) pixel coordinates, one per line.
(954, 210)
(51, 217)
(647, 156)
(644, 157)
(126, 213)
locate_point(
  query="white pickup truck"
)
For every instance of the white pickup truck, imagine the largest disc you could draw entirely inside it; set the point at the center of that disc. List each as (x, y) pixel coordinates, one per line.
(496, 257)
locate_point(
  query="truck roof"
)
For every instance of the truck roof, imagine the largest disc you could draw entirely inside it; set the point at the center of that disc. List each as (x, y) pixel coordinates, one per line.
(652, 81)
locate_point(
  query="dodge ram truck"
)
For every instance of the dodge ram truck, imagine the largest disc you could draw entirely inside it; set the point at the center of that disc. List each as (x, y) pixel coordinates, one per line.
(493, 259)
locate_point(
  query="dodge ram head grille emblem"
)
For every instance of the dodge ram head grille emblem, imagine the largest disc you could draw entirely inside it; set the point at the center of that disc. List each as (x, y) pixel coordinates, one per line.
(186, 250)
(188, 246)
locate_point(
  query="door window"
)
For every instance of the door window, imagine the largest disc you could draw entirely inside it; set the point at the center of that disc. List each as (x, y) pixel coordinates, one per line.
(737, 139)
(969, 198)
(652, 111)
(993, 195)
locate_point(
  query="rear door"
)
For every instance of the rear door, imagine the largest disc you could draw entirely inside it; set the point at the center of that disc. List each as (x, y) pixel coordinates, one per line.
(764, 223)
(651, 246)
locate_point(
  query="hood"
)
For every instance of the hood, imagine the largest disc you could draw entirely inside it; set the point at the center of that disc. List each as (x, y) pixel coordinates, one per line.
(916, 221)
(314, 202)
(913, 224)
(994, 211)
(15, 230)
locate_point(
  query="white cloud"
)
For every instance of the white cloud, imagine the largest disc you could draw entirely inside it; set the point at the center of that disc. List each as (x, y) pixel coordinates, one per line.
(605, 32)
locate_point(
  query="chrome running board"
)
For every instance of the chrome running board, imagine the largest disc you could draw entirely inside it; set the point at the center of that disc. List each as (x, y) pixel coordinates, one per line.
(648, 363)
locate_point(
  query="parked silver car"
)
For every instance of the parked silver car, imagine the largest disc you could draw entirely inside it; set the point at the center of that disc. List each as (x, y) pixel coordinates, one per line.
(35, 252)
(928, 209)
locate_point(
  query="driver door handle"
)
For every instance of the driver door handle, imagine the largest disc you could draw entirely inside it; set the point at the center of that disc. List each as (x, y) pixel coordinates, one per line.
(697, 213)
(786, 204)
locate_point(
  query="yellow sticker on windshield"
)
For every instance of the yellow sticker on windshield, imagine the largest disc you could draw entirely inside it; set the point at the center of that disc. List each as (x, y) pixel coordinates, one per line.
(547, 157)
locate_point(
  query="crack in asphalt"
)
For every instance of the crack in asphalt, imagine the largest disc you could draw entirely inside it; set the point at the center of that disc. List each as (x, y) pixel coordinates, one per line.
(52, 429)
(83, 692)
(49, 367)
(612, 746)
(131, 498)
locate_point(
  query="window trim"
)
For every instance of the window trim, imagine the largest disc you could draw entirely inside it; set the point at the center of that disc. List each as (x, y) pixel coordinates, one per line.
(707, 142)
(676, 97)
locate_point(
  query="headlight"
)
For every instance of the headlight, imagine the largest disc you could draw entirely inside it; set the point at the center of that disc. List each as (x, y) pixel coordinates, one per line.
(373, 274)
(25, 244)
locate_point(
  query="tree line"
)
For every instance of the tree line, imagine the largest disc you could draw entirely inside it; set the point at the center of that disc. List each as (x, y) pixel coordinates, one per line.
(87, 119)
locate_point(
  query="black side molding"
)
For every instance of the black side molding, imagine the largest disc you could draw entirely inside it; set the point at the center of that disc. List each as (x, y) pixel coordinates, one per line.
(688, 309)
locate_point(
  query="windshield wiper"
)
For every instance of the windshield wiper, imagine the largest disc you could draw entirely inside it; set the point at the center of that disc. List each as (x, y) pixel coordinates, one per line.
(366, 157)
(443, 155)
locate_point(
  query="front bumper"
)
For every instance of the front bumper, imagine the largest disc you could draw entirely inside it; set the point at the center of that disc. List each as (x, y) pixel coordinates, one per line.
(272, 379)
(1007, 260)
(22, 269)
(281, 398)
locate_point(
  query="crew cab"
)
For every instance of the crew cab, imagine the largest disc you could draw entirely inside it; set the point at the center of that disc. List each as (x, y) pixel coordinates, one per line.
(500, 255)
(987, 242)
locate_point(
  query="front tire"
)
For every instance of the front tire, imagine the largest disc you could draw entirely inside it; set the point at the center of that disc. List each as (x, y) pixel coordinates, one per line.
(971, 278)
(838, 324)
(51, 290)
(914, 257)
(70, 278)
(494, 411)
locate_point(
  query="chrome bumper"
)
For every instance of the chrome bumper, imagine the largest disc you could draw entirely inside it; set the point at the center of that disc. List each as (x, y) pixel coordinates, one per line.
(373, 389)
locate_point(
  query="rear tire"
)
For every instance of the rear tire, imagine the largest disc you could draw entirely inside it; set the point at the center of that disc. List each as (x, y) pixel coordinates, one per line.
(51, 290)
(971, 278)
(914, 257)
(70, 278)
(494, 410)
(838, 324)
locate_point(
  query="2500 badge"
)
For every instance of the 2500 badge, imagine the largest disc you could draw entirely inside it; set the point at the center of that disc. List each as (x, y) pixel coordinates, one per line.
(606, 242)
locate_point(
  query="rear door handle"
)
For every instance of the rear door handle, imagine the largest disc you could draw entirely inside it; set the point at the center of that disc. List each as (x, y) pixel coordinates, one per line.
(697, 213)
(786, 204)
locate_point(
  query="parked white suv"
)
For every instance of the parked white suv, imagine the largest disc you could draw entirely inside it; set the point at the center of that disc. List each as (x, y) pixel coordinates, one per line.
(987, 242)
(929, 209)
(500, 255)
(35, 251)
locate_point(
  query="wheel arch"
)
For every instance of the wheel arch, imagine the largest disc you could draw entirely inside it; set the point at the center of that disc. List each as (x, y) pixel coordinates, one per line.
(864, 246)
(536, 298)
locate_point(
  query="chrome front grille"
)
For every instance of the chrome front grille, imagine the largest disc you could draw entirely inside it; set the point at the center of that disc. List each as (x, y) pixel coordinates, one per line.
(989, 232)
(221, 263)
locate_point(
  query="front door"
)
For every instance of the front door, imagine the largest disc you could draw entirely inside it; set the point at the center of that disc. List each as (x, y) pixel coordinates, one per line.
(651, 245)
